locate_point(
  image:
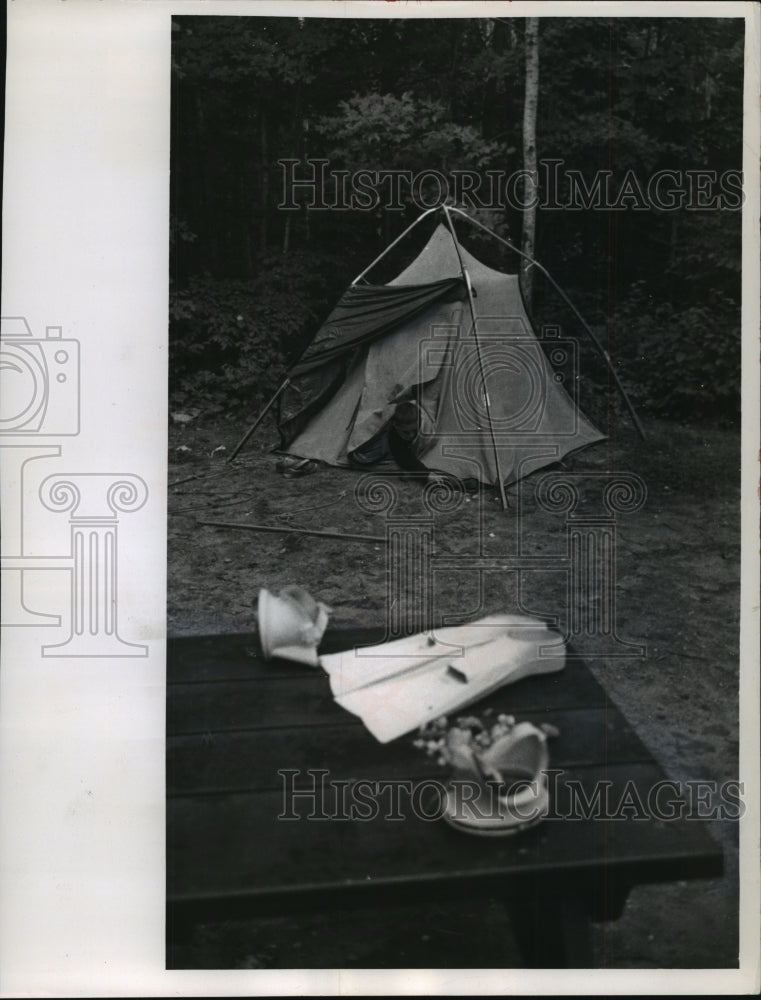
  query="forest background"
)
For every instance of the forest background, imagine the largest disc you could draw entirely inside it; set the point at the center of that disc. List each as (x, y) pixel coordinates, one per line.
(658, 279)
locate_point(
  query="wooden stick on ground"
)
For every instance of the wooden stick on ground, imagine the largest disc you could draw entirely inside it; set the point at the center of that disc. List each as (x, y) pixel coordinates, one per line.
(294, 531)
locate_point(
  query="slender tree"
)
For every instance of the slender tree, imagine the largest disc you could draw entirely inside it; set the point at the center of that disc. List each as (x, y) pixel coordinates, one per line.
(529, 147)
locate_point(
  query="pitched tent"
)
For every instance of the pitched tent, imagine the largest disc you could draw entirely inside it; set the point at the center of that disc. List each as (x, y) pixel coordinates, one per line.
(415, 338)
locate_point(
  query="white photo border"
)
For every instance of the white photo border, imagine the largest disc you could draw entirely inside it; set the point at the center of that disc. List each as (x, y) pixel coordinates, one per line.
(82, 737)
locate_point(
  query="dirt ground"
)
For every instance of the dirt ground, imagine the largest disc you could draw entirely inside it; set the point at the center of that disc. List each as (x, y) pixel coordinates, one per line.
(678, 593)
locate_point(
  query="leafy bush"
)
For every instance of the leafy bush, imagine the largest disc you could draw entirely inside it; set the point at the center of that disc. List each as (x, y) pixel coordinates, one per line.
(231, 341)
(683, 363)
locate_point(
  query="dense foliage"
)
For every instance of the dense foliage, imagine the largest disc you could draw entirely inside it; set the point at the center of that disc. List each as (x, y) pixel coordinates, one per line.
(636, 98)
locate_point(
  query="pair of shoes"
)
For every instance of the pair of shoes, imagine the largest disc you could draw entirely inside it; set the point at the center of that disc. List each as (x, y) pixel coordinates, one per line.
(291, 467)
(287, 462)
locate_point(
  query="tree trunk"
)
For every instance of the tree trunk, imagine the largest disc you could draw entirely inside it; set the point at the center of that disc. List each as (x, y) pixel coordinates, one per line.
(529, 148)
(265, 182)
(287, 233)
(453, 82)
(204, 168)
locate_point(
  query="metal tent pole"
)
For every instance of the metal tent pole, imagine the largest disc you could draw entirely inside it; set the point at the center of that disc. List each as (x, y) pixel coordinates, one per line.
(262, 415)
(401, 236)
(572, 307)
(465, 274)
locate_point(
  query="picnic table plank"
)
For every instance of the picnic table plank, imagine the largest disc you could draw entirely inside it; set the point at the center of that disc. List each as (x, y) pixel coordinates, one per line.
(205, 659)
(302, 697)
(307, 701)
(237, 656)
(260, 856)
(251, 759)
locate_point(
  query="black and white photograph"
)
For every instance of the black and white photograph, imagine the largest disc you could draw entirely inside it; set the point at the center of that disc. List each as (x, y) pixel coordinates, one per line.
(379, 437)
(454, 492)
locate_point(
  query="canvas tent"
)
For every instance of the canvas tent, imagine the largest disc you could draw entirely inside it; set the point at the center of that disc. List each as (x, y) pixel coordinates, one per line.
(454, 335)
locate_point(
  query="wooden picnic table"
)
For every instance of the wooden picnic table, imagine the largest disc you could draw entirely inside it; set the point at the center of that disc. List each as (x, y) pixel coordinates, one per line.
(235, 723)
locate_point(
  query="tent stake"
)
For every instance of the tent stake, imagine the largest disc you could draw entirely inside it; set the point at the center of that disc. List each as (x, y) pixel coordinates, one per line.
(465, 275)
(572, 307)
(294, 531)
(258, 420)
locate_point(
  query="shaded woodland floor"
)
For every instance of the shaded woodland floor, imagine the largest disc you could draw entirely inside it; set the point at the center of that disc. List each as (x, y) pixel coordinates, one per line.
(678, 594)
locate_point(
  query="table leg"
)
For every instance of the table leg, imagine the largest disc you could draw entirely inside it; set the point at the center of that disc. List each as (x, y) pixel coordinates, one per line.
(552, 929)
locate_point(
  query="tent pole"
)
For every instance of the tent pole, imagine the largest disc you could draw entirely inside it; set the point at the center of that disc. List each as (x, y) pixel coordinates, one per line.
(465, 274)
(401, 236)
(604, 354)
(262, 415)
